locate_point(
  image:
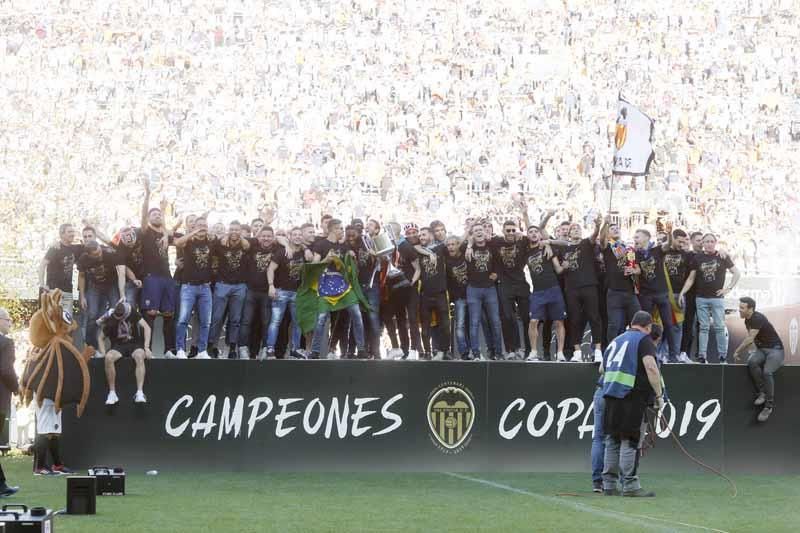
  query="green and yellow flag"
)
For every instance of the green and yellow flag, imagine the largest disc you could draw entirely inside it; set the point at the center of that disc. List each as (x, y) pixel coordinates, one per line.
(326, 290)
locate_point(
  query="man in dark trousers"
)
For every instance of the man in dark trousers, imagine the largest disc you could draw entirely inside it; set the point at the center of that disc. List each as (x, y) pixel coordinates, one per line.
(630, 379)
(766, 355)
(8, 385)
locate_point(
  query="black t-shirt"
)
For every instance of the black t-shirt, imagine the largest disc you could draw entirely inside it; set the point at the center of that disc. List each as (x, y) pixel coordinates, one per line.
(60, 262)
(510, 260)
(111, 329)
(710, 275)
(481, 265)
(543, 275)
(365, 262)
(197, 261)
(578, 263)
(642, 383)
(456, 277)
(615, 270)
(323, 246)
(406, 255)
(652, 279)
(133, 256)
(289, 271)
(434, 278)
(257, 263)
(231, 261)
(100, 272)
(767, 336)
(678, 264)
(155, 258)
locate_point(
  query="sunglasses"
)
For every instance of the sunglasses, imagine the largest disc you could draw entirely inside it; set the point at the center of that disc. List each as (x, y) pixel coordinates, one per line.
(512, 230)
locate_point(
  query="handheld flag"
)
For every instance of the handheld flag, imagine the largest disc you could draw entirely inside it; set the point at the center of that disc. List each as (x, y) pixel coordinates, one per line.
(633, 149)
(323, 289)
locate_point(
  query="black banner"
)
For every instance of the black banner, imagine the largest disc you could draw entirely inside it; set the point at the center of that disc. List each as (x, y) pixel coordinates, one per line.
(409, 416)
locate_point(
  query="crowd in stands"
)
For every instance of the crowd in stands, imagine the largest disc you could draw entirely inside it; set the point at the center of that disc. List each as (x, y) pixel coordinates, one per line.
(397, 110)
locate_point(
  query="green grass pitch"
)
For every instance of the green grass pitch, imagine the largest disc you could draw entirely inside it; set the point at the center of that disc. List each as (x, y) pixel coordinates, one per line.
(430, 502)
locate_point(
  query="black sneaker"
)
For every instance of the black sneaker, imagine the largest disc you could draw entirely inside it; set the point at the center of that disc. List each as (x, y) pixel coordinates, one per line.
(44, 471)
(639, 493)
(193, 352)
(294, 354)
(701, 360)
(213, 351)
(425, 356)
(314, 355)
(6, 491)
(611, 492)
(467, 357)
(597, 486)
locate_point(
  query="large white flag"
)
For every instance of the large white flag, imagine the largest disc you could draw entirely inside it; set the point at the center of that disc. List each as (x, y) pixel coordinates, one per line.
(633, 149)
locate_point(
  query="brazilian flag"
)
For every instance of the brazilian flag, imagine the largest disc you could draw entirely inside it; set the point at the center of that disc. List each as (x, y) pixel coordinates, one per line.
(325, 289)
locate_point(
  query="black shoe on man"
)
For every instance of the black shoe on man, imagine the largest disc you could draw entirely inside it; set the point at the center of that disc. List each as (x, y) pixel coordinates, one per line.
(6, 491)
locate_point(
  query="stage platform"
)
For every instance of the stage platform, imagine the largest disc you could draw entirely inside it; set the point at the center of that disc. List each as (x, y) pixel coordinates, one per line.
(282, 415)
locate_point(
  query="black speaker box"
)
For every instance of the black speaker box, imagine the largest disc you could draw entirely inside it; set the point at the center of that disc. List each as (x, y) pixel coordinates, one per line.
(81, 495)
(110, 481)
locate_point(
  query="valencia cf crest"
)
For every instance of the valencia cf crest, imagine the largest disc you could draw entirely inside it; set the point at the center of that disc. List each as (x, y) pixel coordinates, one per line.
(451, 416)
(621, 134)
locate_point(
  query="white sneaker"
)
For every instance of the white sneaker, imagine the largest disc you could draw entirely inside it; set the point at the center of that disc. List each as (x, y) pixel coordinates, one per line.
(598, 356)
(439, 356)
(262, 354)
(111, 399)
(98, 354)
(180, 355)
(169, 355)
(510, 356)
(203, 355)
(683, 358)
(139, 397)
(332, 355)
(244, 352)
(560, 356)
(577, 355)
(413, 355)
(533, 357)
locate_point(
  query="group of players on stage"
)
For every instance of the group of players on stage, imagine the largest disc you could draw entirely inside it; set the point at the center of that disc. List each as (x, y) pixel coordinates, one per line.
(245, 281)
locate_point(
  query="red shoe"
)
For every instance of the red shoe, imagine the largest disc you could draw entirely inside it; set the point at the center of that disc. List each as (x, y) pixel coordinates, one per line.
(44, 471)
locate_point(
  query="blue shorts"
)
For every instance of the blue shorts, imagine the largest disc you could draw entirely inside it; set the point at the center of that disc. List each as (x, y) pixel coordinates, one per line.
(158, 293)
(548, 304)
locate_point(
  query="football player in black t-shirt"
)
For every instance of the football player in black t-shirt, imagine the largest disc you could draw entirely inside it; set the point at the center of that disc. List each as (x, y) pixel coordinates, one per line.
(766, 355)
(129, 335)
(195, 294)
(257, 302)
(433, 295)
(708, 278)
(323, 251)
(99, 271)
(230, 289)
(55, 269)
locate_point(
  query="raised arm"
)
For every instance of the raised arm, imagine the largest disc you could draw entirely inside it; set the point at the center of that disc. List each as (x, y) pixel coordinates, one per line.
(604, 231)
(596, 230)
(146, 202)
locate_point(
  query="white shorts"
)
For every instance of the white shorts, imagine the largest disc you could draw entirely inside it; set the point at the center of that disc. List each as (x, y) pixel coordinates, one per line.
(47, 420)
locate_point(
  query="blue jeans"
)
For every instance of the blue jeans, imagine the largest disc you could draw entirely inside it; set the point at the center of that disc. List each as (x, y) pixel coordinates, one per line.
(598, 438)
(373, 296)
(711, 309)
(192, 296)
(356, 323)
(282, 300)
(230, 297)
(98, 301)
(660, 301)
(479, 299)
(460, 326)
